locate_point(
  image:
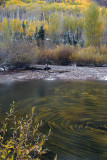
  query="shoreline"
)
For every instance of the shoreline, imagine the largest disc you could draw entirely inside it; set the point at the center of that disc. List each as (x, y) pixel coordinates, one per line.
(56, 72)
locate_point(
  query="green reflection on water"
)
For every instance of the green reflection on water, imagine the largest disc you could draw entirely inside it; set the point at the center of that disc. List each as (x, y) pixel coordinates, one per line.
(76, 112)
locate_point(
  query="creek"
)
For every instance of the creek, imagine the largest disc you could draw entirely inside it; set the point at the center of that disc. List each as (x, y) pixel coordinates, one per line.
(76, 112)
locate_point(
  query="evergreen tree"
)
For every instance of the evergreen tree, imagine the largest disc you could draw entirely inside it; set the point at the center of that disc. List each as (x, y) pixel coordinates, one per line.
(69, 38)
(16, 36)
(39, 36)
(41, 33)
(24, 28)
(36, 36)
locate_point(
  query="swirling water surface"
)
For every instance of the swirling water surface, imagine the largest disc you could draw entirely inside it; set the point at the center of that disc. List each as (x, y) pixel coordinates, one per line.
(75, 111)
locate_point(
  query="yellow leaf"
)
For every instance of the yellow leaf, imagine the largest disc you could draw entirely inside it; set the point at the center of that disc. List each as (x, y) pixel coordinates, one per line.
(41, 143)
(25, 151)
(50, 131)
(55, 157)
(33, 109)
(33, 147)
(19, 152)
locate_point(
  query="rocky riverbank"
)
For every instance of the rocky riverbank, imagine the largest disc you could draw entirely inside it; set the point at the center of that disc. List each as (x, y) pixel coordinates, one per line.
(56, 72)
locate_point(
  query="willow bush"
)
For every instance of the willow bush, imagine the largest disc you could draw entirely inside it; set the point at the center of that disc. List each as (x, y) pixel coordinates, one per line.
(91, 55)
(25, 140)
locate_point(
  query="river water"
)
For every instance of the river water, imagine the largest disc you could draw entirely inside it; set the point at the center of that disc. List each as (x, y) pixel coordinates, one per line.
(76, 112)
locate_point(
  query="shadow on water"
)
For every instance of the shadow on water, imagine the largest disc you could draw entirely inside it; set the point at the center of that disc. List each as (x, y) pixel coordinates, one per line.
(75, 111)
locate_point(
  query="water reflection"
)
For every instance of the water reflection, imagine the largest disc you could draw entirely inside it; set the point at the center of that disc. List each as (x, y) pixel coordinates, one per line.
(76, 112)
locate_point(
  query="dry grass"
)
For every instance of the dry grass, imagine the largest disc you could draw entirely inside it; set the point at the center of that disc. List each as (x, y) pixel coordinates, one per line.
(91, 56)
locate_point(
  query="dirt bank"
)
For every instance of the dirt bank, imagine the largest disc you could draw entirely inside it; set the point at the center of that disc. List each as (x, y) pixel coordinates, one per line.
(57, 72)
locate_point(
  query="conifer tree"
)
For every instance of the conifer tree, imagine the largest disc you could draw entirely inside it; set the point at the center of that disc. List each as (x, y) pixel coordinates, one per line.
(39, 36)
(41, 33)
(36, 36)
(24, 28)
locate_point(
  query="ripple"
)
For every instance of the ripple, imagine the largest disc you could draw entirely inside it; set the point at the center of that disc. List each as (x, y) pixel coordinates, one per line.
(75, 112)
(50, 79)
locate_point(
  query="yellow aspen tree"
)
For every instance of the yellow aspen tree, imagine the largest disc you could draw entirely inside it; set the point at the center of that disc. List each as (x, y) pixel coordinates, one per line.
(94, 26)
(4, 24)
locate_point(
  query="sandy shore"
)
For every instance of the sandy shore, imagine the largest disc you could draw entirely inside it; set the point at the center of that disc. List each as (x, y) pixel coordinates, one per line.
(57, 72)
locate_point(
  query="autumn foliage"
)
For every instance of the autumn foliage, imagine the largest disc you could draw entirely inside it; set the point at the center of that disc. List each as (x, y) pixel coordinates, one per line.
(33, 31)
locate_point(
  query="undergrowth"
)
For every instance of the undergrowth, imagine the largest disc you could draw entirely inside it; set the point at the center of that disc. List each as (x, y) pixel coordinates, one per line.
(25, 140)
(23, 55)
